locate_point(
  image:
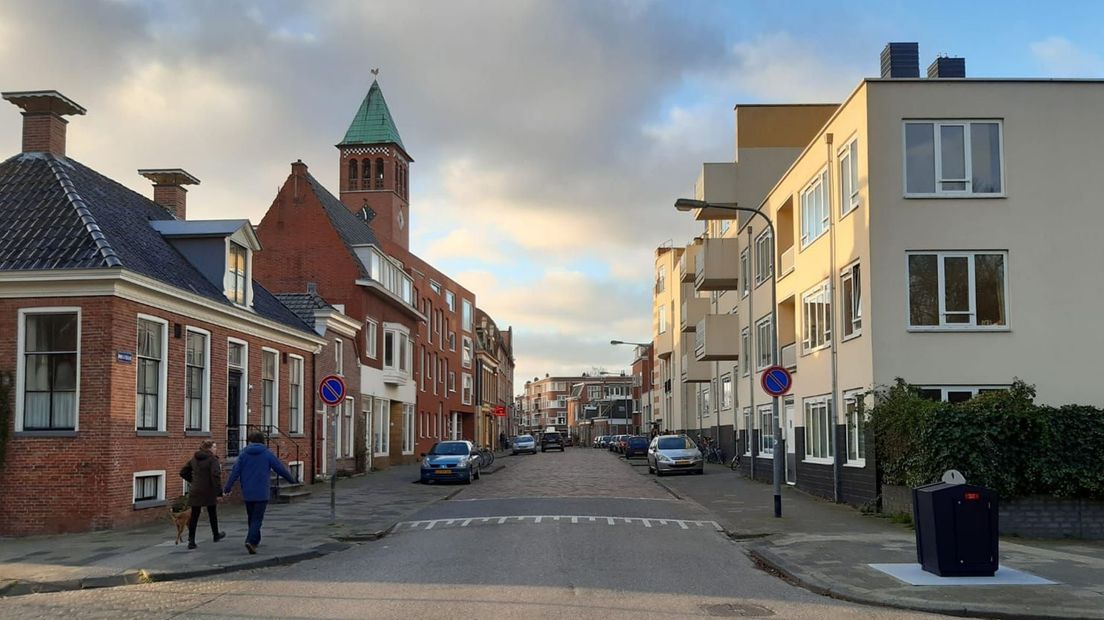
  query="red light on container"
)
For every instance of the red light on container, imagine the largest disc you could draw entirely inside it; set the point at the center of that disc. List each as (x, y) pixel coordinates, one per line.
(973, 497)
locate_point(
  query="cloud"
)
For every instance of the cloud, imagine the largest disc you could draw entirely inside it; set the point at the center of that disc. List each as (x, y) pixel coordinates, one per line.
(1059, 57)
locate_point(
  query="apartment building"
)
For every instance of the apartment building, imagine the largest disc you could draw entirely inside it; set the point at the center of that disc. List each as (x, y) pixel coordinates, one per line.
(919, 231)
(602, 405)
(494, 379)
(545, 403)
(642, 373)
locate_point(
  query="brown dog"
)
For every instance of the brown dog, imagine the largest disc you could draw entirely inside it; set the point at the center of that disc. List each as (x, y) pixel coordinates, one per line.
(180, 519)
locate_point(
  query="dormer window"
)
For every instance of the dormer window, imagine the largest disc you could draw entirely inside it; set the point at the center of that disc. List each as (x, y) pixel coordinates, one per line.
(237, 274)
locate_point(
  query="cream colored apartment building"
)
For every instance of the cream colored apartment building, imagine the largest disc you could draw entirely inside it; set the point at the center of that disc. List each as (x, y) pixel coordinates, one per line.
(938, 230)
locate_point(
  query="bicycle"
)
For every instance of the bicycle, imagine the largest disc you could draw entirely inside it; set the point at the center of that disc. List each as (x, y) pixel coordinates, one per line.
(714, 455)
(734, 463)
(486, 457)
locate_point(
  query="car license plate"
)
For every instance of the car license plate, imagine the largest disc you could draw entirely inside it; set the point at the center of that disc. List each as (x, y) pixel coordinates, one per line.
(442, 471)
(682, 462)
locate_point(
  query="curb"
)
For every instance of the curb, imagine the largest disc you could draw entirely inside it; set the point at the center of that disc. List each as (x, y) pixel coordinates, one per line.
(21, 588)
(793, 573)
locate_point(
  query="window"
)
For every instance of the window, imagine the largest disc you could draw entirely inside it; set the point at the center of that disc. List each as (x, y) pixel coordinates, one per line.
(197, 378)
(450, 301)
(348, 434)
(663, 319)
(466, 395)
(237, 274)
(706, 401)
(766, 429)
(452, 380)
(856, 427)
(955, 290)
(467, 317)
(749, 428)
(270, 384)
(725, 225)
(745, 272)
(764, 258)
(295, 468)
(816, 312)
(594, 392)
(955, 394)
(49, 369)
(379, 173)
(452, 341)
(851, 300)
(726, 392)
(371, 333)
(398, 351)
(661, 280)
(849, 177)
(339, 356)
(151, 371)
(953, 158)
(435, 287)
(818, 429)
(149, 488)
(814, 209)
(295, 394)
(381, 441)
(468, 353)
(764, 331)
(408, 429)
(745, 351)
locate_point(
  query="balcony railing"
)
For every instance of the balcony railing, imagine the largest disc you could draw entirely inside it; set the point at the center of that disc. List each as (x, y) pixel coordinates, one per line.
(789, 356)
(786, 263)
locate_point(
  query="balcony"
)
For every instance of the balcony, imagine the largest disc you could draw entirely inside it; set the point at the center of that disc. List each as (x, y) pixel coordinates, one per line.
(693, 309)
(694, 371)
(717, 338)
(789, 356)
(664, 344)
(394, 376)
(688, 261)
(786, 263)
(717, 265)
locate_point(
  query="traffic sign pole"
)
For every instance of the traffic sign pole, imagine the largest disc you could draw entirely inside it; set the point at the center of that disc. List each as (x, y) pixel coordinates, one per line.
(331, 389)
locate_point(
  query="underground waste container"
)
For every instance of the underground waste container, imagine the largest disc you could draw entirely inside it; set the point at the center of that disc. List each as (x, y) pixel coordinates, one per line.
(956, 529)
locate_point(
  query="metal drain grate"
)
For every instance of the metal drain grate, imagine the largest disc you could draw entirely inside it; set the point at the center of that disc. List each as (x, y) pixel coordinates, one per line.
(737, 610)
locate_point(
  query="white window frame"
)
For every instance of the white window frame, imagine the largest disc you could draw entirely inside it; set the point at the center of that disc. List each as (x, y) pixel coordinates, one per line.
(974, 390)
(468, 388)
(435, 287)
(468, 352)
(745, 351)
(705, 400)
(725, 393)
(275, 387)
(829, 418)
(243, 399)
(745, 272)
(823, 339)
(339, 356)
(467, 317)
(749, 428)
(147, 503)
(205, 399)
(294, 417)
(766, 432)
(381, 427)
(371, 336)
(853, 274)
(853, 397)
(943, 326)
(408, 429)
(450, 300)
(764, 357)
(293, 465)
(662, 319)
(848, 157)
(21, 370)
(763, 254)
(348, 412)
(162, 379)
(230, 277)
(823, 216)
(967, 153)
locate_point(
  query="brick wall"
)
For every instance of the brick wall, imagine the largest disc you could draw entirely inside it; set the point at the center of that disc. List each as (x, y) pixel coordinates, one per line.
(44, 133)
(85, 481)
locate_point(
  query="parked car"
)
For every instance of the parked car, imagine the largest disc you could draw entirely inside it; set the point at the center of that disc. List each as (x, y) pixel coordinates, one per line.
(455, 461)
(524, 443)
(637, 445)
(602, 441)
(551, 441)
(622, 443)
(569, 441)
(670, 453)
(615, 443)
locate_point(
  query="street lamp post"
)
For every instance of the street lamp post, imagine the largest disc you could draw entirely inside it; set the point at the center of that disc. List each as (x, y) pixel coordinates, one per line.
(687, 204)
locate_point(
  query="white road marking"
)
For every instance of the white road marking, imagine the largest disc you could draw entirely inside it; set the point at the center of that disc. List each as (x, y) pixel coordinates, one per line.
(683, 524)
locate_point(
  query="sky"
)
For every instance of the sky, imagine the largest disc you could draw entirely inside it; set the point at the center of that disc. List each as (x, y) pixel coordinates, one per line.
(550, 138)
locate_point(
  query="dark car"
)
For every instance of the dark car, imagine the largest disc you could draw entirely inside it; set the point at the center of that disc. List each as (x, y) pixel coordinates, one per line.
(551, 441)
(636, 446)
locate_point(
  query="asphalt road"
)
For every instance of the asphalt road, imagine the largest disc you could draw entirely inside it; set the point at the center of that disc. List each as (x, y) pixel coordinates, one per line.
(574, 535)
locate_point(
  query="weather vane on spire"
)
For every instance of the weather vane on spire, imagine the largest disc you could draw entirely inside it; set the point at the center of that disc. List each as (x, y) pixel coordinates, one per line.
(375, 72)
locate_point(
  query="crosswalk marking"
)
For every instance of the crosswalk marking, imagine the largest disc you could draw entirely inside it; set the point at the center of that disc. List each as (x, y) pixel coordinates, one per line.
(682, 524)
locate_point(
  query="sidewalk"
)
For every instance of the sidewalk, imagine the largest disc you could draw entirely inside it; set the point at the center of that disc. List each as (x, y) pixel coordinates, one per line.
(827, 547)
(367, 506)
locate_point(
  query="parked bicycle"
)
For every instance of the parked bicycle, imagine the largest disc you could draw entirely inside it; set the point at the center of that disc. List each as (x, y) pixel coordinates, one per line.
(486, 457)
(734, 462)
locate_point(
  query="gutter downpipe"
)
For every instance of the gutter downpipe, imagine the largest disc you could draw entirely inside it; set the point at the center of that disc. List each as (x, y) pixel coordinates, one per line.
(837, 464)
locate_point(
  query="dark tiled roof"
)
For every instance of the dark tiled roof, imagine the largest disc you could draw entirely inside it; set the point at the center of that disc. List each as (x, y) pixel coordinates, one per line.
(56, 213)
(303, 305)
(352, 229)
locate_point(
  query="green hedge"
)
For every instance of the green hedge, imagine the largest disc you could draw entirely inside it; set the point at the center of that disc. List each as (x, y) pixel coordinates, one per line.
(1001, 440)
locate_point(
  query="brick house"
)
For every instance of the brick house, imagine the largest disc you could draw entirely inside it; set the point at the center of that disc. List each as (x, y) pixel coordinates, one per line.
(494, 378)
(315, 241)
(128, 334)
(375, 183)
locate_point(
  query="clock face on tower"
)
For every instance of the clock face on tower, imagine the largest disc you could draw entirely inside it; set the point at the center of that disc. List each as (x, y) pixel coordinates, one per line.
(402, 221)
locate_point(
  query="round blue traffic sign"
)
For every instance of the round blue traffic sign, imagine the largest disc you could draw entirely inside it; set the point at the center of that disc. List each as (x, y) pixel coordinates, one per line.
(331, 390)
(776, 381)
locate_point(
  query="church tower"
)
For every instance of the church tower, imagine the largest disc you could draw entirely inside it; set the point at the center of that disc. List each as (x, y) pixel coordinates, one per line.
(375, 167)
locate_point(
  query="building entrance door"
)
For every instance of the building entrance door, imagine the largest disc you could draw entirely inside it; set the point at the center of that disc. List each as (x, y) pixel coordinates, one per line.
(235, 430)
(788, 432)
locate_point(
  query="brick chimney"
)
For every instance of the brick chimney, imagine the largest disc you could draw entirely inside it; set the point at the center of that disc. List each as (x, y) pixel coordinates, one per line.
(168, 188)
(43, 125)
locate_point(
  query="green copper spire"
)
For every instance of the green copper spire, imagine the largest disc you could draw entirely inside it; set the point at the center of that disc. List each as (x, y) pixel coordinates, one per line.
(373, 123)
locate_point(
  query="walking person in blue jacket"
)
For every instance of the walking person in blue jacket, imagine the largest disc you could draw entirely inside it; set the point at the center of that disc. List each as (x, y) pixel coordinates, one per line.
(253, 467)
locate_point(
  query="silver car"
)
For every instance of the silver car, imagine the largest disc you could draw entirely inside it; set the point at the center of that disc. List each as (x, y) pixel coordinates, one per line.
(668, 453)
(525, 443)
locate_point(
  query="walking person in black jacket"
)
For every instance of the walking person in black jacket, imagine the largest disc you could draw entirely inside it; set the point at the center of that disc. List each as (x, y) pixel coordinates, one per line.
(204, 475)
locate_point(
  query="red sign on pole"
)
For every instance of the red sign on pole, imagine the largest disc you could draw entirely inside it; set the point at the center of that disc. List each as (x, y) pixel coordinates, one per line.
(500, 411)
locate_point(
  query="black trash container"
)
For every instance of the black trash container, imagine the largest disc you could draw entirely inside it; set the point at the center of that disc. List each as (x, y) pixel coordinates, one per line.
(956, 529)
